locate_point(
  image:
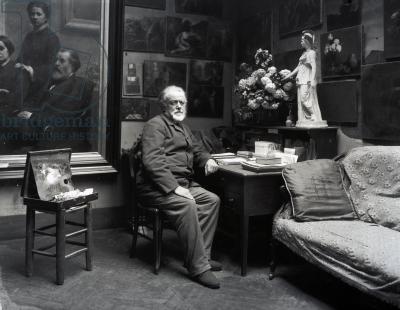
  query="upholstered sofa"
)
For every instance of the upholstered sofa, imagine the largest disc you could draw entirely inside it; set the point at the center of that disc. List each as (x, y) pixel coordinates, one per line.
(360, 245)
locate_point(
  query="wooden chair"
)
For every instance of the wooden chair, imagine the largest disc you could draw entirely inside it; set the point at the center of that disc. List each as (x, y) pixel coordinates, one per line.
(145, 217)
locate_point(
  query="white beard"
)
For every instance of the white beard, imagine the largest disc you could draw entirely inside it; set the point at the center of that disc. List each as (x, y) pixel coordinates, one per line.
(179, 118)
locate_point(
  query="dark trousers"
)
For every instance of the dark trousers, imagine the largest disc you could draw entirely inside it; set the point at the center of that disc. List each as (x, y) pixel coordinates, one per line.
(195, 222)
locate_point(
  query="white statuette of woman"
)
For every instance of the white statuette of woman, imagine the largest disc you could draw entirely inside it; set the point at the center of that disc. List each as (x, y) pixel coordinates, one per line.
(308, 112)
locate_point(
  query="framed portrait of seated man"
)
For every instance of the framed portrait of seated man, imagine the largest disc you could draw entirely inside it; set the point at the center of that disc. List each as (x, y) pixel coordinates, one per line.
(54, 89)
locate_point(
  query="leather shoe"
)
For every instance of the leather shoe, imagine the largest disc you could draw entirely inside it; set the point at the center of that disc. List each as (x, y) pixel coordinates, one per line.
(207, 279)
(215, 266)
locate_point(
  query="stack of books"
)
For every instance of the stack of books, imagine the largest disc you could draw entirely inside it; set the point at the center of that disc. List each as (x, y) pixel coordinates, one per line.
(264, 147)
(274, 158)
(244, 154)
(274, 161)
(269, 160)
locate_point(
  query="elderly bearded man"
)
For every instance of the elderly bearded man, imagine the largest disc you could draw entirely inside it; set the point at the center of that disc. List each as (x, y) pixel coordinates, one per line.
(169, 153)
(65, 104)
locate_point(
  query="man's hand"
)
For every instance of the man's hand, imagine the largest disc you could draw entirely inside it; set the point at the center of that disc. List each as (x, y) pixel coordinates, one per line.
(211, 166)
(29, 69)
(183, 192)
(24, 114)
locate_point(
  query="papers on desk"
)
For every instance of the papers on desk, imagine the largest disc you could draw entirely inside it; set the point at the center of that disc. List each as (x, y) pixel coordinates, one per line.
(231, 161)
(227, 159)
(255, 167)
(222, 155)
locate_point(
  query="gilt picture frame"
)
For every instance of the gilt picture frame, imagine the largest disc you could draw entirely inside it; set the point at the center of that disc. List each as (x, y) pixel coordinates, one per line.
(87, 35)
(82, 15)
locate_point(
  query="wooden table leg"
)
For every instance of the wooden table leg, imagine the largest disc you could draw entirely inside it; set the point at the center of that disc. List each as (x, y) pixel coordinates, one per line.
(244, 232)
(29, 240)
(60, 246)
(88, 237)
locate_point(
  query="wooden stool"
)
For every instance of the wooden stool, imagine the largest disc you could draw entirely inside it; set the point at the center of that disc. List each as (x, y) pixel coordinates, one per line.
(47, 174)
(60, 213)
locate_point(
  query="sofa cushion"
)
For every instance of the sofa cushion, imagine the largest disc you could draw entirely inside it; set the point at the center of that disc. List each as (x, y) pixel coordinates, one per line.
(316, 191)
(374, 184)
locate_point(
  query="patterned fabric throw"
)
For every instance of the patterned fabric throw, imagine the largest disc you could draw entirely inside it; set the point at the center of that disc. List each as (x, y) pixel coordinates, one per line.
(374, 187)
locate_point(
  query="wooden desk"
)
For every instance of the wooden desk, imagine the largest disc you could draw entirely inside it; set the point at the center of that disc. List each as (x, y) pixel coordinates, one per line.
(248, 194)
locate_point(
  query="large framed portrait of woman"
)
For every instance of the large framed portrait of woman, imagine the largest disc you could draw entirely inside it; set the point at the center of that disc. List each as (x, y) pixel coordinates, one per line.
(54, 90)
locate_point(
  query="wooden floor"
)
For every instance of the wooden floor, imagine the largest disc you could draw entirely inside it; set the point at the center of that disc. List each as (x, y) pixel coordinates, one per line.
(118, 282)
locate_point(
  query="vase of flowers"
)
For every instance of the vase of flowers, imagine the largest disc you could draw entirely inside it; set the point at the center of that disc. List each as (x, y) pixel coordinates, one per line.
(265, 98)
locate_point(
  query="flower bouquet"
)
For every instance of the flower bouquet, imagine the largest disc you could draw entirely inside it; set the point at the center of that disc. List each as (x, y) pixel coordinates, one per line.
(265, 96)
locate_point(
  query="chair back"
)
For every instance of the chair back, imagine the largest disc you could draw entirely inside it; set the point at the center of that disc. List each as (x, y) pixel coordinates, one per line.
(135, 161)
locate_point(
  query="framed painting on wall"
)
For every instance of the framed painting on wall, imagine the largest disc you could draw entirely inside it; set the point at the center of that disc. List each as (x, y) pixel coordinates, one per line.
(219, 41)
(338, 101)
(380, 95)
(135, 109)
(186, 37)
(159, 74)
(203, 7)
(74, 112)
(392, 29)
(298, 15)
(342, 14)
(341, 52)
(151, 4)
(206, 72)
(254, 32)
(205, 101)
(132, 74)
(144, 30)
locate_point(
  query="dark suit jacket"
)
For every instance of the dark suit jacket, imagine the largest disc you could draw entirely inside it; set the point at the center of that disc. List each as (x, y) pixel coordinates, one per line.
(64, 117)
(169, 154)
